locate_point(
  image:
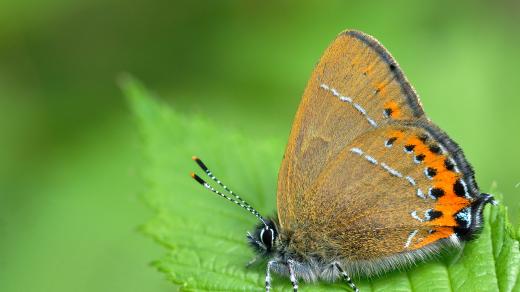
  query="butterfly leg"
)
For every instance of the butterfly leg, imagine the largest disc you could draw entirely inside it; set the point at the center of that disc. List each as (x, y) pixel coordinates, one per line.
(268, 275)
(346, 277)
(292, 275)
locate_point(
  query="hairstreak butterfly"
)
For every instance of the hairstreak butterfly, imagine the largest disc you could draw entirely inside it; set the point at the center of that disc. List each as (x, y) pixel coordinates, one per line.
(367, 183)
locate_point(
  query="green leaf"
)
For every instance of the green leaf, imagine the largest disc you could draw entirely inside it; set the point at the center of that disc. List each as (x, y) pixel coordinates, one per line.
(204, 235)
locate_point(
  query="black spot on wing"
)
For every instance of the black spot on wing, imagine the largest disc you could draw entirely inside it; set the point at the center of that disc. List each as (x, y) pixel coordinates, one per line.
(435, 149)
(390, 141)
(448, 164)
(431, 172)
(388, 112)
(459, 189)
(409, 148)
(434, 214)
(436, 192)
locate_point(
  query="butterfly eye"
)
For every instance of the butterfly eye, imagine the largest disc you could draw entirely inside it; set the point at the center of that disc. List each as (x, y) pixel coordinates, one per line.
(267, 237)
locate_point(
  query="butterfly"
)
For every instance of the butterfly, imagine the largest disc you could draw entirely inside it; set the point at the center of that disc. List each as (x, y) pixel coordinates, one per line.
(368, 183)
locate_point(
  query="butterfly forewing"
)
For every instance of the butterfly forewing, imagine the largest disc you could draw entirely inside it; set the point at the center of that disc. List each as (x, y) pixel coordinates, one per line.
(357, 86)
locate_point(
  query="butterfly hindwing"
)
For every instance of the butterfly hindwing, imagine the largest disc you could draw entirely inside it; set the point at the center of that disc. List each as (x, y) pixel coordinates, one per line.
(400, 189)
(356, 86)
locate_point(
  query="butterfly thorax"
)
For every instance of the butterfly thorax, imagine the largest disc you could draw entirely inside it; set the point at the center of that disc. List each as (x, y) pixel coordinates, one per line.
(310, 262)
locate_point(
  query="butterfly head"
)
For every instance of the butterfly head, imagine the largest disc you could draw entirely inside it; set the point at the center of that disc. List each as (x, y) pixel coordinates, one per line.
(264, 238)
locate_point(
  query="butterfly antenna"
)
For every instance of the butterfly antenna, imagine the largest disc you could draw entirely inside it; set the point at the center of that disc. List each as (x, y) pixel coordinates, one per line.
(239, 201)
(215, 179)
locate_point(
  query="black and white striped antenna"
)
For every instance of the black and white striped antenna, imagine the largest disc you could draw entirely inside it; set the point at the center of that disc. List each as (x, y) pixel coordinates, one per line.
(237, 199)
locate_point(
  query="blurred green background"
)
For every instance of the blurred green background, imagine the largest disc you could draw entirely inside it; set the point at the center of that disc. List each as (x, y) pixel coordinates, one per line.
(69, 159)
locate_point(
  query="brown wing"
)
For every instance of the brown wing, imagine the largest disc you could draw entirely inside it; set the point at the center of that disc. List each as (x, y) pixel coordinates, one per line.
(356, 86)
(393, 190)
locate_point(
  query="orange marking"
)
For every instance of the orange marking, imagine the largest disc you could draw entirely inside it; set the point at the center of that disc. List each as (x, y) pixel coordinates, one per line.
(394, 106)
(436, 161)
(445, 179)
(398, 134)
(440, 233)
(420, 147)
(443, 221)
(450, 202)
(368, 69)
(380, 88)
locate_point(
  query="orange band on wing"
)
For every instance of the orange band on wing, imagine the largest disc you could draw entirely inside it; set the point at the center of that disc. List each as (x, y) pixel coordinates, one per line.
(443, 181)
